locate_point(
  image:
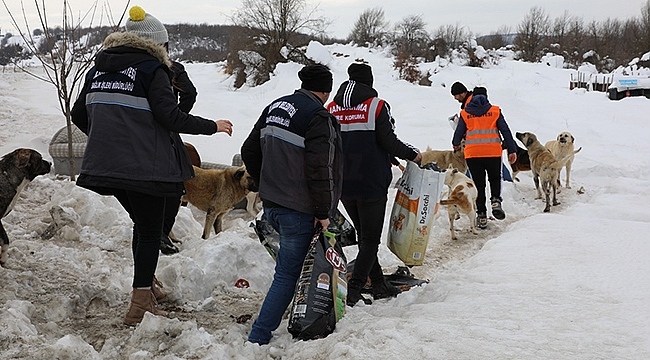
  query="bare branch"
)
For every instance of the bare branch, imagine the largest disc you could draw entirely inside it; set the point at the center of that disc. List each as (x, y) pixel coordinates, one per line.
(65, 55)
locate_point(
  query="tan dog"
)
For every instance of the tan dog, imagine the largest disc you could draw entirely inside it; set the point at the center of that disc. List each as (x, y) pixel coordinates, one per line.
(216, 191)
(462, 198)
(544, 166)
(446, 158)
(563, 148)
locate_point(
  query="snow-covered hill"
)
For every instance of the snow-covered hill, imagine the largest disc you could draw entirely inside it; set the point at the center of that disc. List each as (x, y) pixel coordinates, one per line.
(572, 284)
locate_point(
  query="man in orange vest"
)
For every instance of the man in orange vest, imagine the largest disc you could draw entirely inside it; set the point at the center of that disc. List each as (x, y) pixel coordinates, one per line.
(463, 96)
(480, 124)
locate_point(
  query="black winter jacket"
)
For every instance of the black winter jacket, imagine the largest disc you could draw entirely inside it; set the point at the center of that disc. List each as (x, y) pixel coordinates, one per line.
(294, 154)
(129, 111)
(183, 87)
(367, 154)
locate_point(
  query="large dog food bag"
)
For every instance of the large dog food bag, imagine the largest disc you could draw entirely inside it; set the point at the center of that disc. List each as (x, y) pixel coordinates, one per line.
(319, 299)
(416, 203)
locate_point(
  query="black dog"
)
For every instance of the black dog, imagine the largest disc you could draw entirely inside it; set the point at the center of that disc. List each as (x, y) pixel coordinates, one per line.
(522, 163)
(17, 169)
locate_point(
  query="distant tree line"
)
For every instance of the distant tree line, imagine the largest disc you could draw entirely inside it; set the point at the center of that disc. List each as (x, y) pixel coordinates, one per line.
(607, 44)
(267, 32)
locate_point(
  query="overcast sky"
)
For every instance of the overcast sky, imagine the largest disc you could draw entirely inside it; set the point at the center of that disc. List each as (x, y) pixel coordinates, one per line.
(478, 16)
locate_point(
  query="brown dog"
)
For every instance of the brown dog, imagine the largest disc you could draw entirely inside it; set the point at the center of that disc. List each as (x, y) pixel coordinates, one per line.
(216, 191)
(462, 198)
(563, 148)
(195, 158)
(544, 166)
(17, 170)
(521, 164)
(446, 158)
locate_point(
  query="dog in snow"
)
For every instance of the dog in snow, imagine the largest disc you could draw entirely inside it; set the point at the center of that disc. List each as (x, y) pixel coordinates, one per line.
(461, 199)
(17, 170)
(217, 191)
(446, 158)
(545, 167)
(561, 148)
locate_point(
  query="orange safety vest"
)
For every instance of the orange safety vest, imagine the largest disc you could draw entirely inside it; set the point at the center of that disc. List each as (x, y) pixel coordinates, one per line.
(482, 136)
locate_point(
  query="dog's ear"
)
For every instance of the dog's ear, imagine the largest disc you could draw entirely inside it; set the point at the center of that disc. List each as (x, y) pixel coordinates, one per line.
(22, 157)
(529, 141)
(240, 173)
(572, 139)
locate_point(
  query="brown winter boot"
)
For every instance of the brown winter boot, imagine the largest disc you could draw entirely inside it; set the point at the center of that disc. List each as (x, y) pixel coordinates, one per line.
(158, 292)
(142, 300)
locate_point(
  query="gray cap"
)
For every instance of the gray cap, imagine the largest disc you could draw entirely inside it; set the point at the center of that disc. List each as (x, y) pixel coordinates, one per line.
(146, 26)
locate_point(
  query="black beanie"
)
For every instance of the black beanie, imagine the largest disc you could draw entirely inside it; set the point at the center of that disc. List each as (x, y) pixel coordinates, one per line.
(360, 73)
(458, 88)
(316, 78)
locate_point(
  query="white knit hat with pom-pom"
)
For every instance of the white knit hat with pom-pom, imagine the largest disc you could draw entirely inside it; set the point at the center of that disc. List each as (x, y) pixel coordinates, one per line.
(146, 26)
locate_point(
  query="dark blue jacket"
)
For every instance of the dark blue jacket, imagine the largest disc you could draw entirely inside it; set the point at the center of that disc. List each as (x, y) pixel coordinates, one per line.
(367, 153)
(294, 154)
(129, 111)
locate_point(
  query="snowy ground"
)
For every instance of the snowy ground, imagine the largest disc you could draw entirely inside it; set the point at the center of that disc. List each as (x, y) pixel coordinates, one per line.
(572, 284)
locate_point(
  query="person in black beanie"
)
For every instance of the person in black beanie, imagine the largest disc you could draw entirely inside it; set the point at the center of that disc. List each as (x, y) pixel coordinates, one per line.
(294, 154)
(369, 144)
(460, 93)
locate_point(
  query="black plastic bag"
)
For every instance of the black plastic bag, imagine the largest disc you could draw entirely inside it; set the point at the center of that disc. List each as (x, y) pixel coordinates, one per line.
(267, 235)
(339, 225)
(342, 227)
(319, 299)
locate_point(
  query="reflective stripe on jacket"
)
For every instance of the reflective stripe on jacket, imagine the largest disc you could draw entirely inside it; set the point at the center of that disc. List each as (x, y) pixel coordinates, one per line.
(482, 137)
(360, 117)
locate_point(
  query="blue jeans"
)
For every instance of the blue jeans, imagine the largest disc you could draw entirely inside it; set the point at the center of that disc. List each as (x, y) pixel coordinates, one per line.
(296, 230)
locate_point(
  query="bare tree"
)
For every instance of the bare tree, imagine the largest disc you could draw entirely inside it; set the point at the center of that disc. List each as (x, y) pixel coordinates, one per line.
(644, 24)
(370, 28)
(560, 28)
(452, 34)
(67, 55)
(633, 33)
(574, 44)
(279, 23)
(532, 33)
(411, 37)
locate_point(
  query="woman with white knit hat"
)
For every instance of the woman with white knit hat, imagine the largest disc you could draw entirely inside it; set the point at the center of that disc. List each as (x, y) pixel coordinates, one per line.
(146, 25)
(130, 113)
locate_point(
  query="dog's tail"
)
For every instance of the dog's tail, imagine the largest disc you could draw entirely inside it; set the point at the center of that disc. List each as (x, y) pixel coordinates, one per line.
(449, 202)
(564, 160)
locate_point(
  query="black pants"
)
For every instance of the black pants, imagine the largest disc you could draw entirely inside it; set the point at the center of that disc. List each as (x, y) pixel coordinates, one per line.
(478, 167)
(172, 204)
(368, 219)
(147, 213)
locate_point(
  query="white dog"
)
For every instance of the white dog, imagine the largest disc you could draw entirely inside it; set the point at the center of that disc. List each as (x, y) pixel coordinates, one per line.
(462, 198)
(563, 148)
